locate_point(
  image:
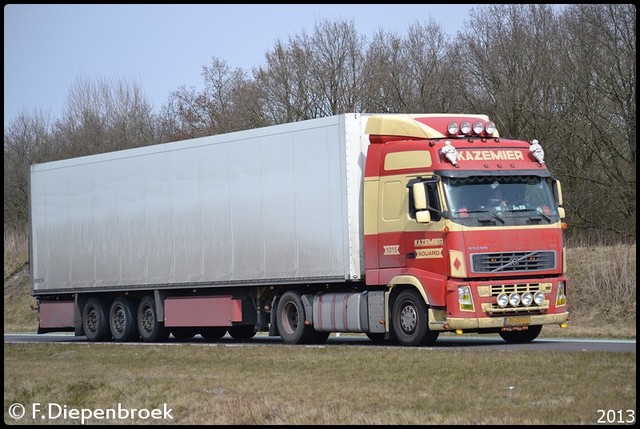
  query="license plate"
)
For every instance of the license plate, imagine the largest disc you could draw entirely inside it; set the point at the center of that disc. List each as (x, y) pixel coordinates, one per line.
(517, 321)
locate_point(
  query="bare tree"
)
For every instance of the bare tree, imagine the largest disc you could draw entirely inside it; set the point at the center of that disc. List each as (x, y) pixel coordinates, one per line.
(26, 142)
(103, 116)
(313, 75)
(337, 53)
(190, 113)
(285, 81)
(599, 77)
(409, 74)
(385, 86)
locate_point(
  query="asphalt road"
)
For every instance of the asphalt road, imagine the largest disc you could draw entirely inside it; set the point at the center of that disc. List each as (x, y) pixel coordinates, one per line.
(479, 342)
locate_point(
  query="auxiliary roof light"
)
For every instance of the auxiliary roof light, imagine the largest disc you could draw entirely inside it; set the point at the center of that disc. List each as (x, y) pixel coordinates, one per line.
(490, 128)
(452, 127)
(478, 127)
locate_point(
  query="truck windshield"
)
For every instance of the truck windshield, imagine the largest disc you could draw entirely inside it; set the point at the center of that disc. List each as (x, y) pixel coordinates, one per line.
(501, 196)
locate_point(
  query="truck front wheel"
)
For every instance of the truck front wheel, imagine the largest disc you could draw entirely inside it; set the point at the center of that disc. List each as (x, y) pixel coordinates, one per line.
(94, 320)
(410, 320)
(151, 329)
(290, 320)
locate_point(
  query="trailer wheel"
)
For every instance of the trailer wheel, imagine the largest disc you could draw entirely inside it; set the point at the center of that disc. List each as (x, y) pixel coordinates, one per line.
(242, 332)
(151, 329)
(94, 320)
(519, 337)
(211, 334)
(410, 320)
(122, 319)
(290, 320)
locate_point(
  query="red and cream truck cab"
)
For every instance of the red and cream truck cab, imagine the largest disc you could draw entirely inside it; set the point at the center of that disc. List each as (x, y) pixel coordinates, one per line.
(466, 225)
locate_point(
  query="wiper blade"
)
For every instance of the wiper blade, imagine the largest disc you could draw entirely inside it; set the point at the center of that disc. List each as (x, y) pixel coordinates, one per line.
(481, 211)
(547, 218)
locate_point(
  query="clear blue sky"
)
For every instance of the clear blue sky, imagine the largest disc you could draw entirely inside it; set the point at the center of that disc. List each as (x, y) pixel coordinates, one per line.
(47, 48)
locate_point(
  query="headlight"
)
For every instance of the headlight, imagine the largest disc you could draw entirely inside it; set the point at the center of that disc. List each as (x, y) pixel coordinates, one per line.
(527, 299)
(514, 299)
(502, 300)
(538, 298)
(464, 298)
(561, 299)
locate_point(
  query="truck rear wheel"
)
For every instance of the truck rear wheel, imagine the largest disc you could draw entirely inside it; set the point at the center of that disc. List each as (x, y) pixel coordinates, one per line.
(122, 319)
(519, 337)
(94, 320)
(410, 320)
(290, 320)
(151, 329)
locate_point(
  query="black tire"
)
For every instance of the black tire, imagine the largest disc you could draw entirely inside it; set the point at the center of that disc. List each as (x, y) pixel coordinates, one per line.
(242, 332)
(290, 319)
(95, 321)
(211, 334)
(376, 337)
(519, 337)
(150, 328)
(410, 321)
(123, 321)
(183, 334)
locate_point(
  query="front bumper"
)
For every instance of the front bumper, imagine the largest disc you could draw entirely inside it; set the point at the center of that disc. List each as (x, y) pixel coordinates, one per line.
(439, 323)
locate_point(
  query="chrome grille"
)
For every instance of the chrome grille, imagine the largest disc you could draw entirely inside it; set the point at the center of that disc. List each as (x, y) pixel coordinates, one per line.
(509, 262)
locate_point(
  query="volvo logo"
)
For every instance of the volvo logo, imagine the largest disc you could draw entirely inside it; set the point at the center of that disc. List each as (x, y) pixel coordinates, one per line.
(514, 262)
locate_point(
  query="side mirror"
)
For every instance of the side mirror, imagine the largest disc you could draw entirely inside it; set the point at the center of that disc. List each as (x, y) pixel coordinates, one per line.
(419, 196)
(420, 202)
(423, 216)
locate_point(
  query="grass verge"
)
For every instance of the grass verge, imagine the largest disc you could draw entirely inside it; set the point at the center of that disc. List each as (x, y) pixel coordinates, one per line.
(218, 384)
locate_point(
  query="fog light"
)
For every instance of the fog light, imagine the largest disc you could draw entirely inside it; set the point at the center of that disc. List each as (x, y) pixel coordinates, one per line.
(538, 298)
(527, 299)
(502, 300)
(514, 299)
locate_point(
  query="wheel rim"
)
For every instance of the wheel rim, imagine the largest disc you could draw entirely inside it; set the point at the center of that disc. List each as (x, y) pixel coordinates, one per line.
(147, 319)
(118, 320)
(290, 321)
(92, 320)
(408, 318)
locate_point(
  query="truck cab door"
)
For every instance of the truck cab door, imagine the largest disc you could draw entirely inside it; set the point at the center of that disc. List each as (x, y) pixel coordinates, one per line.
(424, 240)
(392, 197)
